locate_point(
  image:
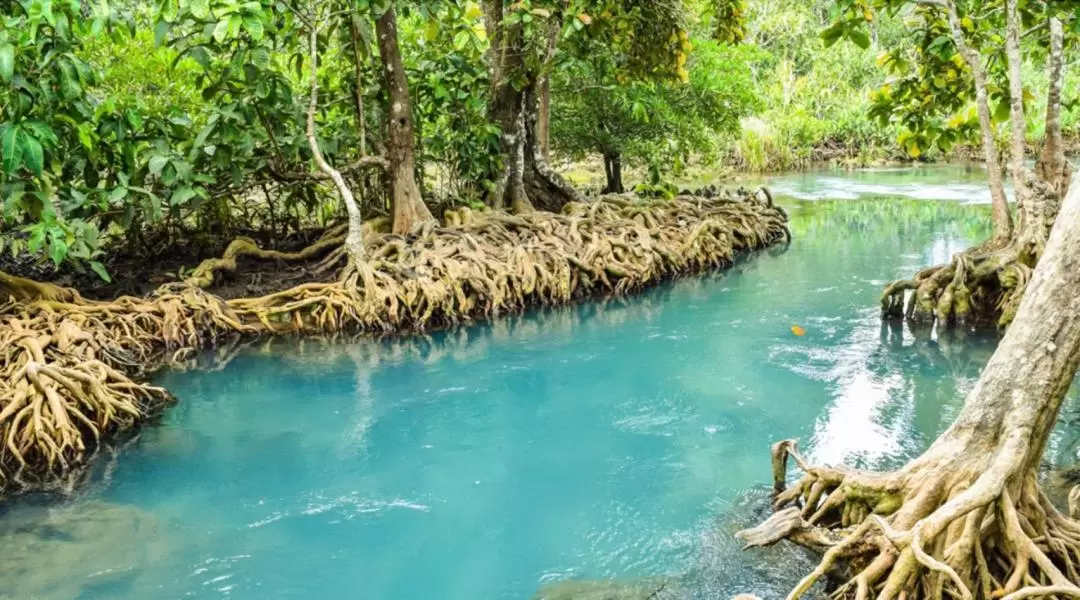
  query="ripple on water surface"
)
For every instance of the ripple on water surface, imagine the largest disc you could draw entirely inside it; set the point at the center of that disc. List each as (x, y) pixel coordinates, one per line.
(622, 441)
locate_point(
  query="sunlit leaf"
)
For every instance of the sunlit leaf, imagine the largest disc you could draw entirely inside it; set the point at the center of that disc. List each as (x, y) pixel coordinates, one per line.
(7, 62)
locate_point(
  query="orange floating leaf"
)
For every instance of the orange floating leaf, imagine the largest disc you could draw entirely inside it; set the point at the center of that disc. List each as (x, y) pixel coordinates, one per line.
(799, 331)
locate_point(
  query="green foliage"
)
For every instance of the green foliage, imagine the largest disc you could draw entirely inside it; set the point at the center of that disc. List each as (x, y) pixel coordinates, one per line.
(449, 92)
(187, 118)
(657, 124)
(816, 98)
(69, 155)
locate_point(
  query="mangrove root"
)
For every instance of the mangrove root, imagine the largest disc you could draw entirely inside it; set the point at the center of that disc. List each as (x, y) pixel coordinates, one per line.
(944, 526)
(979, 285)
(69, 367)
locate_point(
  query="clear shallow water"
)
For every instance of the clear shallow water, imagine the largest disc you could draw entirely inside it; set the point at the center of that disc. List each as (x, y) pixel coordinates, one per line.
(619, 440)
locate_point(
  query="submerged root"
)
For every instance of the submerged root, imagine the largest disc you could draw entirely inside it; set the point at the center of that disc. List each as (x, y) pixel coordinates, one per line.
(944, 526)
(68, 366)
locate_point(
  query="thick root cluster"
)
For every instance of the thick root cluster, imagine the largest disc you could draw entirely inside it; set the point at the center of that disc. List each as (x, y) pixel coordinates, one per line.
(69, 367)
(977, 286)
(944, 526)
(494, 263)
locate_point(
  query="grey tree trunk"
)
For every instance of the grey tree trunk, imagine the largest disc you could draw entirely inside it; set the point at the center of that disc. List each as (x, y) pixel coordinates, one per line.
(1002, 218)
(354, 241)
(1052, 166)
(526, 180)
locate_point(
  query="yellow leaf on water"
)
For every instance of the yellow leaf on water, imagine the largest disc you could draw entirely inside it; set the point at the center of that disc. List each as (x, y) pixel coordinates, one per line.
(799, 331)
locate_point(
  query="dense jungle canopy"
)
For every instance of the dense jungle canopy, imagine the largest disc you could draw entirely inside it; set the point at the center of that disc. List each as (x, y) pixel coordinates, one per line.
(140, 129)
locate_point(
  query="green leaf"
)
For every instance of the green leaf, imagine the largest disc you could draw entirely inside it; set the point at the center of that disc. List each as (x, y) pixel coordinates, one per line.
(1001, 111)
(181, 196)
(859, 38)
(32, 153)
(169, 10)
(254, 27)
(832, 34)
(161, 31)
(201, 56)
(221, 30)
(260, 57)
(100, 270)
(58, 249)
(157, 163)
(118, 194)
(460, 39)
(234, 25)
(41, 131)
(7, 62)
(85, 136)
(200, 9)
(11, 149)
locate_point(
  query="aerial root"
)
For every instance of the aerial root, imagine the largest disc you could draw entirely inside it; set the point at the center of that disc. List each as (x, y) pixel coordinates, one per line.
(933, 530)
(204, 275)
(977, 285)
(69, 368)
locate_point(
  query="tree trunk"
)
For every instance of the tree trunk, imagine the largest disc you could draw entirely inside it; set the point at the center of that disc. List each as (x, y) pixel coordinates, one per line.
(543, 85)
(546, 189)
(407, 204)
(967, 517)
(543, 124)
(354, 241)
(526, 180)
(613, 170)
(358, 86)
(507, 110)
(1002, 218)
(1036, 200)
(984, 283)
(1052, 166)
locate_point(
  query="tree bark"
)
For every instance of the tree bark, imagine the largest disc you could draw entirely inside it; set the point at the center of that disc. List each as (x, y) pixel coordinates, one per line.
(1017, 120)
(613, 169)
(1052, 166)
(507, 110)
(1036, 200)
(546, 189)
(358, 87)
(407, 204)
(354, 241)
(526, 180)
(1002, 218)
(543, 124)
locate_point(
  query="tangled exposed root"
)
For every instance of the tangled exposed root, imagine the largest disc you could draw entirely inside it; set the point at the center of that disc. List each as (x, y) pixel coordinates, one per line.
(944, 526)
(204, 275)
(68, 366)
(980, 285)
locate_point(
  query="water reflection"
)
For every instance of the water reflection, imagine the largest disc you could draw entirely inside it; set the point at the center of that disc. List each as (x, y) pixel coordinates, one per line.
(940, 183)
(58, 551)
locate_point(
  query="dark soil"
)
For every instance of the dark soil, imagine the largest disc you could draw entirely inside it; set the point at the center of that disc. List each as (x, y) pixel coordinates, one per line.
(139, 272)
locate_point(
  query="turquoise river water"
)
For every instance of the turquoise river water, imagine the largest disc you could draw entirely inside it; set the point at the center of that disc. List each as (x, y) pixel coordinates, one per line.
(540, 455)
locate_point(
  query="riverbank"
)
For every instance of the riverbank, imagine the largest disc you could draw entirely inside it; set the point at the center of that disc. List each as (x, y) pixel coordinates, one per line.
(73, 370)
